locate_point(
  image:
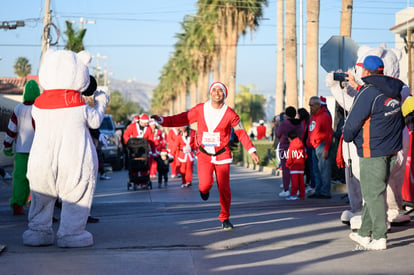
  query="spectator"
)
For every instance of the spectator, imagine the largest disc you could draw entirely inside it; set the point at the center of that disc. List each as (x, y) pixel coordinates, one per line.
(320, 139)
(261, 130)
(337, 172)
(310, 181)
(215, 120)
(100, 141)
(21, 132)
(289, 124)
(296, 164)
(375, 125)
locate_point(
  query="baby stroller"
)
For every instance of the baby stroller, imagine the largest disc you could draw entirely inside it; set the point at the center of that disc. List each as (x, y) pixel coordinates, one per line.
(138, 164)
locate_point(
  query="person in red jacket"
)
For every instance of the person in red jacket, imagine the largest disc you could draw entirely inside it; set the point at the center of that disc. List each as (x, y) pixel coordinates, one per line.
(320, 138)
(296, 164)
(184, 153)
(157, 139)
(139, 128)
(214, 122)
(261, 130)
(175, 165)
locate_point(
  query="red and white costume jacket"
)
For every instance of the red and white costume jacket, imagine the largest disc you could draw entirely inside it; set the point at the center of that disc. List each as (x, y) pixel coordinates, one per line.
(135, 131)
(171, 137)
(296, 156)
(158, 142)
(213, 130)
(185, 147)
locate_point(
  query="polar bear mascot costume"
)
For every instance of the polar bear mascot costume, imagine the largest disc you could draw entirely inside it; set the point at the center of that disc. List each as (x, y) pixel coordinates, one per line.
(344, 97)
(63, 163)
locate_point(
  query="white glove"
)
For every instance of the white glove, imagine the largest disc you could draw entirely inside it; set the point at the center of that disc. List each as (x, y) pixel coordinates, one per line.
(102, 139)
(101, 98)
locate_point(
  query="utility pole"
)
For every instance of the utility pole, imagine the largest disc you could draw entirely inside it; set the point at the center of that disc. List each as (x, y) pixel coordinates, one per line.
(46, 24)
(98, 68)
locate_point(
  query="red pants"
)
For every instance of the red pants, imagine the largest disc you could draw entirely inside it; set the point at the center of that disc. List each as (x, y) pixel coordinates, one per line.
(175, 168)
(205, 176)
(153, 167)
(186, 171)
(298, 182)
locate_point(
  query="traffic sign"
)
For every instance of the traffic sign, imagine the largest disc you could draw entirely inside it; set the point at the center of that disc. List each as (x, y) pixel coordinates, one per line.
(339, 52)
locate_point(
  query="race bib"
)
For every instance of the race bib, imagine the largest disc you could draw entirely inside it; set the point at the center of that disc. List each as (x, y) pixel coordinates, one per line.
(187, 149)
(211, 139)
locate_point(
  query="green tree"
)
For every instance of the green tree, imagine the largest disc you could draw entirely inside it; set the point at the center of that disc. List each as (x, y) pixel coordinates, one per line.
(122, 109)
(74, 38)
(22, 68)
(249, 106)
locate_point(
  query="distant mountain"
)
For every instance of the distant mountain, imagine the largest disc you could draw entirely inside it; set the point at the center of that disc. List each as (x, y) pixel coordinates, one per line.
(134, 90)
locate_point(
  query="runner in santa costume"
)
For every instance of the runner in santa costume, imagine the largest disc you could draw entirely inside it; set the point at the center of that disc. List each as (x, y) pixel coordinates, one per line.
(172, 135)
(157, 139)
(214, 122)
(184, 152)
(139, 128)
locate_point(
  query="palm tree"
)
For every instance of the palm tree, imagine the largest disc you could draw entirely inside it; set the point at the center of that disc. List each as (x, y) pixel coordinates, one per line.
(280, 63)
(22, 67)
(291, 53)
(346, 17)
(312, 50)
(75, 38)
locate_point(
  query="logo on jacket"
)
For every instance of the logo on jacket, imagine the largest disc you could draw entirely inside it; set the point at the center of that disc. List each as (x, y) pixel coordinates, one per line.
(312, 126)
(391, 103)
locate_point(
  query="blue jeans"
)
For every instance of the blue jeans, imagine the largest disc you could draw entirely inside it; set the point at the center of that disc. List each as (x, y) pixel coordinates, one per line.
(322, 171)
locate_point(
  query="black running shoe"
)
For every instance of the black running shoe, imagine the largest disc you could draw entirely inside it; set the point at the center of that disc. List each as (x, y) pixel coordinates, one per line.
(227, 225)
(204, 196)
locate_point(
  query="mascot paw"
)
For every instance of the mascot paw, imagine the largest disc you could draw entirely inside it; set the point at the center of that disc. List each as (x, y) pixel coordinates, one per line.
(82, 240)
(38, 238)
(101, 97)
(347, 216)
(330, 82)
(400, 219)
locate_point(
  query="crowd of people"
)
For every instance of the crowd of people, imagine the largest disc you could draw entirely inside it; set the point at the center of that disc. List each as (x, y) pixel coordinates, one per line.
(305, 143)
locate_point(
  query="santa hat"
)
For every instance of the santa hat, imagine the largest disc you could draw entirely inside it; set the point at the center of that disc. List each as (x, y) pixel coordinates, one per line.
(31, 91)
(323, 100)
(221, 85)
(152, 121)
(164, 152)
(136, 119)
(144, 118)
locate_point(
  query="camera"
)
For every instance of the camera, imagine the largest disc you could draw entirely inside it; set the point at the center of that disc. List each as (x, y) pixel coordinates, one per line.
(340, 76)
(91, 88)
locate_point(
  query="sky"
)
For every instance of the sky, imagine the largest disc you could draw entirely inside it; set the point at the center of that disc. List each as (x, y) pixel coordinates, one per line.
(136, 37)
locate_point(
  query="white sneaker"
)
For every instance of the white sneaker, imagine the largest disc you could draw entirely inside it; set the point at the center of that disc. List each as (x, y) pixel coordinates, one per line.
(284, 193)
(309, 190)
(363, 241)
(380, 244)
(7, 176)
(401, 218)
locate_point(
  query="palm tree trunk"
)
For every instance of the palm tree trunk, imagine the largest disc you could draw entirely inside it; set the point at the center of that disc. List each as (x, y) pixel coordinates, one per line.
(280, 67)
(346, 17)
(193, 94)
(312, 50)
(291, 53)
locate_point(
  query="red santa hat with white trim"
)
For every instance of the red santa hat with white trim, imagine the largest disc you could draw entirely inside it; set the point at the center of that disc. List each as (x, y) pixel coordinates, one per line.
(144, 118)
(221, 85)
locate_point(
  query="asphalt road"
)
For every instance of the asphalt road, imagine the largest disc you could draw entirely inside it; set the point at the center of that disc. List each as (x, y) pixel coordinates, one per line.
(172, 231)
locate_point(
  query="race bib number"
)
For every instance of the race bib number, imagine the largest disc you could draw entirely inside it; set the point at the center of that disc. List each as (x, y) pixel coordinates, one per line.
(187, 149)
(211, 139)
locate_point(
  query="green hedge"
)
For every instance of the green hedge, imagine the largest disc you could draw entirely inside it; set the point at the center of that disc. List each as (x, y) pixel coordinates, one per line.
(264, 150)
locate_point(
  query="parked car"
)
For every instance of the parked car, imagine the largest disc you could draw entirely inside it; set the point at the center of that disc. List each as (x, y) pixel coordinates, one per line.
(114, 151)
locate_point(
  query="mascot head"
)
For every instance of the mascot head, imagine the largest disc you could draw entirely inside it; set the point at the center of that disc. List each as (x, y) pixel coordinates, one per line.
(64, 69)
(390, 57)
